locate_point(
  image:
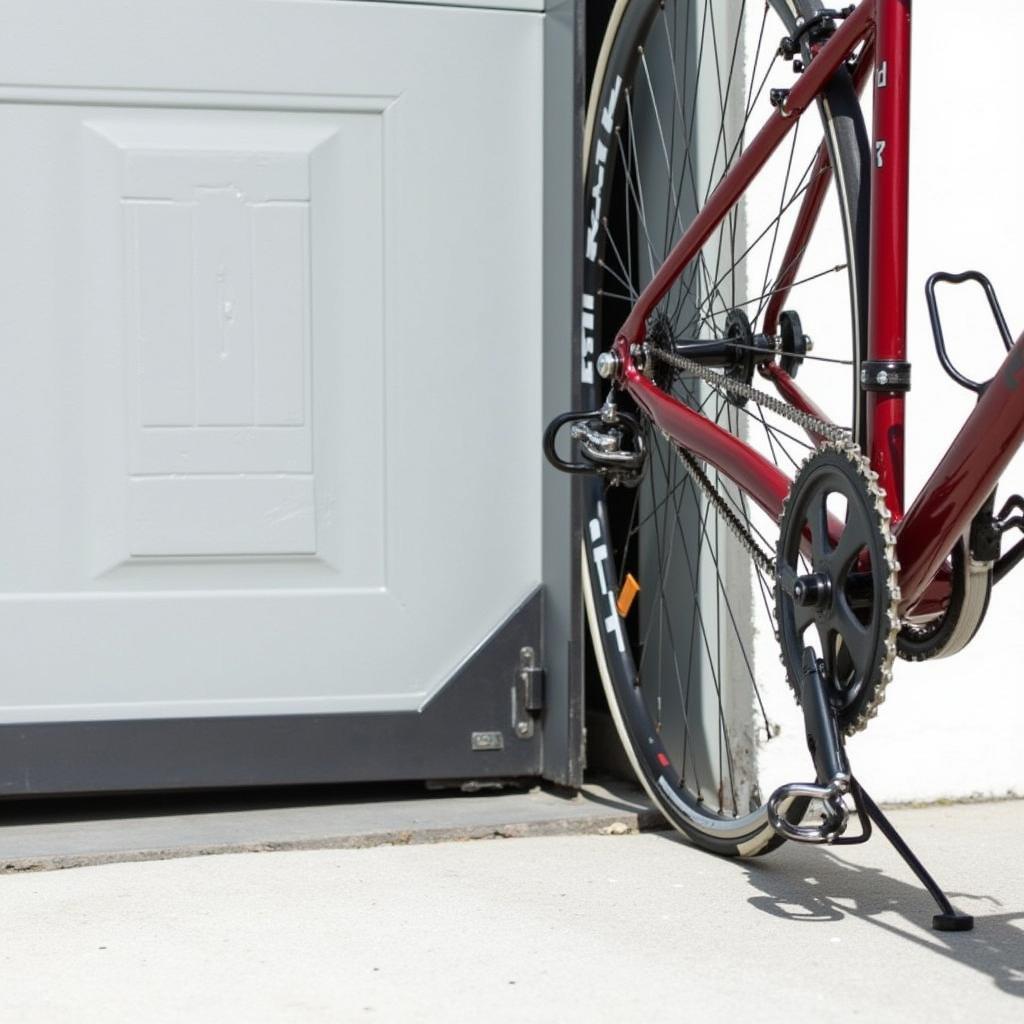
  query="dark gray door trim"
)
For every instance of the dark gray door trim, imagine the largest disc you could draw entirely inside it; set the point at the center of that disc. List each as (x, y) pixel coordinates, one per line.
(186, 753)
(562, 279)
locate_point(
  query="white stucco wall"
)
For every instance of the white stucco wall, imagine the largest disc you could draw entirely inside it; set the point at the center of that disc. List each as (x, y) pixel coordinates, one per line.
(954, 728)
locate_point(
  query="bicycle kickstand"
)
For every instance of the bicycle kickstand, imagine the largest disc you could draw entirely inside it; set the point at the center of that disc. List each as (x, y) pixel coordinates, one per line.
(835, 780)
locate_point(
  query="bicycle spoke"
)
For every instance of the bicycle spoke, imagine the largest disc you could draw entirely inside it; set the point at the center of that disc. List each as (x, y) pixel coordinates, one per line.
(701, 670)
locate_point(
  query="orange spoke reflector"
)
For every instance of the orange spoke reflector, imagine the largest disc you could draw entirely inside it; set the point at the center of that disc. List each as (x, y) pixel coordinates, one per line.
(627, 595)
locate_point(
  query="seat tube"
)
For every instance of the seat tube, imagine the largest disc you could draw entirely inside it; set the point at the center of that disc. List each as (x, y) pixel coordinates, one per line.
(887, 303)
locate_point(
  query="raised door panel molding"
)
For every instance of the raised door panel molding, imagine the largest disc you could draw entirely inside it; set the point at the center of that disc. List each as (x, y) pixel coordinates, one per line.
(223, 221)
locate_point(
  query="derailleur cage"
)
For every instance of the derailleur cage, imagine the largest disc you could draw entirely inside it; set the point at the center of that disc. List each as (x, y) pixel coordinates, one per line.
(611, 444)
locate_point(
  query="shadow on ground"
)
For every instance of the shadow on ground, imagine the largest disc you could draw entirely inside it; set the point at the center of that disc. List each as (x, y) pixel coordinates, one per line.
(813, 885)
(810, 885)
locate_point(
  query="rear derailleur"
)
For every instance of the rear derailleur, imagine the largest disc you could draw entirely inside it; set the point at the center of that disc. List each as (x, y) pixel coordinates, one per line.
(610, 444)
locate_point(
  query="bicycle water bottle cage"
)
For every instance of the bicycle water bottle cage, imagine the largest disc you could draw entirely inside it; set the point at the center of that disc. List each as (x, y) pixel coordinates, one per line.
(978, 387)
(610, 443)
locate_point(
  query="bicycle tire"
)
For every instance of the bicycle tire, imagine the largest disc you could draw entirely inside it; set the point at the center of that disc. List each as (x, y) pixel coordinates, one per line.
(607, 549)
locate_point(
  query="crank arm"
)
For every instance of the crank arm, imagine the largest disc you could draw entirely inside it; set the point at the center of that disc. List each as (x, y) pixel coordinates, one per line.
(825, 743)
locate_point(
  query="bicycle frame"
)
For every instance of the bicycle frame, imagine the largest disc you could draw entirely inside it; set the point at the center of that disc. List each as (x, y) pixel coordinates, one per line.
(968, 472)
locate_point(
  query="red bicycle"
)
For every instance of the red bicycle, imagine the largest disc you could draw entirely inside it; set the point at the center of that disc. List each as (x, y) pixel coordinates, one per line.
(745, 497)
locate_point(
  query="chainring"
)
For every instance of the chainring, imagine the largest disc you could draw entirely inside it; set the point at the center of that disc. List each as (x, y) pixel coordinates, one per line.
(837, 588)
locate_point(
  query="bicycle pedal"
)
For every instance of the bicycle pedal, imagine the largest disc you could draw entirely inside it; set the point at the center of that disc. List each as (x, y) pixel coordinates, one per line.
(833, 820)
(978, 387)
(610, 442)
(825, 744)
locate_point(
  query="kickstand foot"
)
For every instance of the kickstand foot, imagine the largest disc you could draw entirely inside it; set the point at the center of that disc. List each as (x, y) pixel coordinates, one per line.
(950, 919)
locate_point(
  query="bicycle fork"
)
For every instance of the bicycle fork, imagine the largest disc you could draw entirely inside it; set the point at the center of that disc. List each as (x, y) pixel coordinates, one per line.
(834, 782)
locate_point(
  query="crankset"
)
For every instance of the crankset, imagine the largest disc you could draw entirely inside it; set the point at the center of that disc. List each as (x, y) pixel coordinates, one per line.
(836, 599)
(837, 581)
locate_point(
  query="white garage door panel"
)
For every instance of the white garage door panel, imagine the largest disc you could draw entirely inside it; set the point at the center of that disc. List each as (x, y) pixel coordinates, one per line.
(269, 352)
(237, 668)
(213, 329)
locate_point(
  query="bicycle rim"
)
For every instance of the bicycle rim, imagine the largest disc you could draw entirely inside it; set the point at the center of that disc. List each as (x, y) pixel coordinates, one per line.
(691, 668)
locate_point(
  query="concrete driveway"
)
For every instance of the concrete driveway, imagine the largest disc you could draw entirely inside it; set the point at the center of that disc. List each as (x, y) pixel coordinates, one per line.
(551, 928)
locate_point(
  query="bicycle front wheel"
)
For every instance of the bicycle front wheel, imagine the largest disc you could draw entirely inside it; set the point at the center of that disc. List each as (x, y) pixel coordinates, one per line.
(690, 666)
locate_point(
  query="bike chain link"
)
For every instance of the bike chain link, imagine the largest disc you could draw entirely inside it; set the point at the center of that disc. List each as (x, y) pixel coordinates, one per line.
(840, 439)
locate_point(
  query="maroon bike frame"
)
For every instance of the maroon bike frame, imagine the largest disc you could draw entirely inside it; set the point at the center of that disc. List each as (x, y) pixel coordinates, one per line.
(968, 472)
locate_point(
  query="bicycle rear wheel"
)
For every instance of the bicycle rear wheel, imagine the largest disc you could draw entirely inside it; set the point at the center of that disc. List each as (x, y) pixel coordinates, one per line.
(690, 667)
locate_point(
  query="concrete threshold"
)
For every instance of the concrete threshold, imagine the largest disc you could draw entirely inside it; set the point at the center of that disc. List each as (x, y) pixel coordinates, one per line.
(55, 834)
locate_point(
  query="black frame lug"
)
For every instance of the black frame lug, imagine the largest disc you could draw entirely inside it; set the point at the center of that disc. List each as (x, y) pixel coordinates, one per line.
(887, 375)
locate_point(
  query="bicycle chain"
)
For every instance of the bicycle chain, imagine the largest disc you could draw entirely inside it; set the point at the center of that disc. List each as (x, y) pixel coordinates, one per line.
(839, 438)
(828, 431)
(766, 562)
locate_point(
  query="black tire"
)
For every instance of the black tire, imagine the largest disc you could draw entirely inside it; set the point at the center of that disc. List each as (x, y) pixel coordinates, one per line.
(950, 632)
(617, 531)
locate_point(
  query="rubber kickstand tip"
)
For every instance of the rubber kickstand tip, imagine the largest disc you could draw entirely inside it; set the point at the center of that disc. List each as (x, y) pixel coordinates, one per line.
(955, 922)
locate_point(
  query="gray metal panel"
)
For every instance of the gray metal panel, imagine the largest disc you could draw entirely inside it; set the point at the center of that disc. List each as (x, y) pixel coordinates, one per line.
(563, 128)
(433, 743)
